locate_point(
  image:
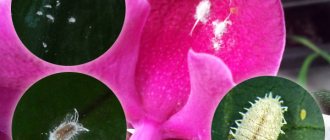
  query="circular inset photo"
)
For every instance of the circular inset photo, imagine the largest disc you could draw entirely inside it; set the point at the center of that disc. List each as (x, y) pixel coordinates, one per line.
(68, 32)
(66, 106)
(268, 108)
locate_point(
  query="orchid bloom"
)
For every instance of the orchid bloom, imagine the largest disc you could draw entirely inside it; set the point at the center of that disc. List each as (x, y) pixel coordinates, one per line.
(170, 66)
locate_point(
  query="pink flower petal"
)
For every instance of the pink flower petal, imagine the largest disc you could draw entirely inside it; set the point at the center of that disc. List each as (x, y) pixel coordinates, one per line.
(210, 80)
(147, 131)
(147, 67)
(4, 136)
(252, 46)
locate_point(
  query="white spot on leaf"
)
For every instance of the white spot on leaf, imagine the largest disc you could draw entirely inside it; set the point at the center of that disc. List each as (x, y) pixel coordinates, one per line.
(44, 44)
(50, 17)
(58, 3)
(39, 13)
(48, 6)
(72, 20)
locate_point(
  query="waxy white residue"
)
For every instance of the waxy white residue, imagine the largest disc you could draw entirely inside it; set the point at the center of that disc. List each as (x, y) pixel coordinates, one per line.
(202, 13)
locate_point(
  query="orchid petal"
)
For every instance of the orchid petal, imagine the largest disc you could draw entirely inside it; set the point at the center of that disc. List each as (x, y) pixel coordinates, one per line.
(210, 80)
(4, 136)
(148, 66)
(252, 46)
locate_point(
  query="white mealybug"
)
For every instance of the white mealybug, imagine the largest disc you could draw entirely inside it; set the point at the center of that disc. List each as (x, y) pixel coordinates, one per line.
(219, 29)
(68, 129)
(48, 6)
(262, 121)
(39, 13)
(50, 17)
(202, 13)
(58, 3)
(72, 20)
(44, 44)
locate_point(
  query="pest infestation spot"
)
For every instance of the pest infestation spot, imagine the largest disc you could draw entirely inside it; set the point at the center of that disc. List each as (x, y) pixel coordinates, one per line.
(48, 6)
(44, 44)
(39, 13)
(202, 13)
(58, 3)
(68, 129)
(263, 120)
(51, 18)
(219, 28)
(303, 114)
(72, 20)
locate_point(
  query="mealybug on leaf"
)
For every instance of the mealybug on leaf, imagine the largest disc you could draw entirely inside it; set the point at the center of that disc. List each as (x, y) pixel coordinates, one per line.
(68, 129)
(262, 121)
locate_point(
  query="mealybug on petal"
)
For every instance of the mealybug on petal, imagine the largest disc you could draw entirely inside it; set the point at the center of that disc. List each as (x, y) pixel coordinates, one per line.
(262, 121)
(68, 129)
(202, 13)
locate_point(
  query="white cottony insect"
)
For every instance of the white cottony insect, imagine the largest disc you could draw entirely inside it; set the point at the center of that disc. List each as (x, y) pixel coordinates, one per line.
(71, 20)
(262, 121)
(39, 13)
(58, 3)
(48, 6)
(68, 129)
(219, 28)
(50, 17)
(202, 13)
(44, 44)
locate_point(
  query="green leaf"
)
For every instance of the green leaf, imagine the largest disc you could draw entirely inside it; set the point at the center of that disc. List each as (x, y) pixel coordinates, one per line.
(45, 105)
(303, 74)
(312, 46)
(68, 32)
(297, 99)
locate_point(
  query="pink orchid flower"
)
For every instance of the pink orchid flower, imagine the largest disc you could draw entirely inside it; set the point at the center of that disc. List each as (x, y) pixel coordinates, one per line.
(171, 65)
(170, 75)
